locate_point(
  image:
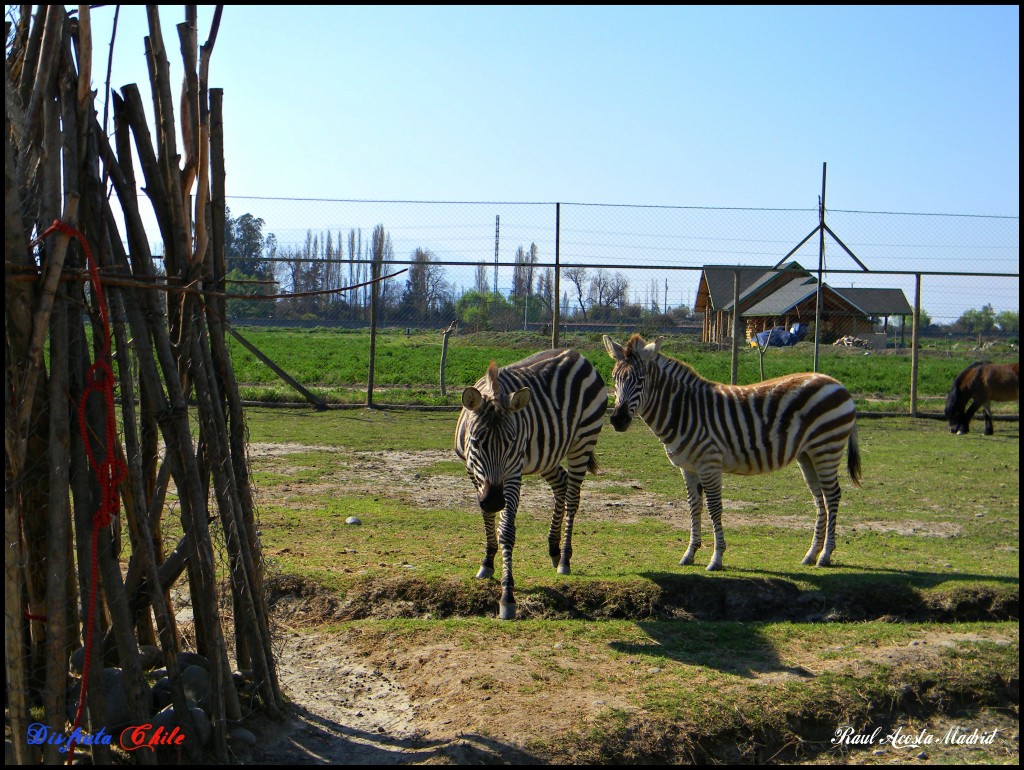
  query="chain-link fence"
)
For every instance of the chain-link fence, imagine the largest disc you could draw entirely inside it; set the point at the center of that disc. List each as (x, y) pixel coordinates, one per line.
(534, 265)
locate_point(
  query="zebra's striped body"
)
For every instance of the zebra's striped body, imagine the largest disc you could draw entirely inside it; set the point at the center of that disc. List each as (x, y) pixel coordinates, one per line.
(709, 429)
(526, 418)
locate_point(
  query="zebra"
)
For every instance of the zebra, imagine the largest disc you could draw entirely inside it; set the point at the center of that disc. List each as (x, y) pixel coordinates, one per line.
(526, 418)
(709, 428)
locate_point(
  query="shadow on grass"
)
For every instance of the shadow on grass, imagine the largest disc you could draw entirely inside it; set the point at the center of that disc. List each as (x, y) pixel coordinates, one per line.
(740, 649)
(839, 595)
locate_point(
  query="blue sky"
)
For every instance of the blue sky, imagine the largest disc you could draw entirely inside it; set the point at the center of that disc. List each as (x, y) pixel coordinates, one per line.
(913, 108)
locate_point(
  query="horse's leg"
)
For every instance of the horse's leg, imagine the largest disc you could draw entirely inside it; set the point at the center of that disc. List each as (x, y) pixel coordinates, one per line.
(969, 415)
(986, 412)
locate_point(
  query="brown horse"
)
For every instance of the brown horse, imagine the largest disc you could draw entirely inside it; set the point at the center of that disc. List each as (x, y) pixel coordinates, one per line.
(976, 386)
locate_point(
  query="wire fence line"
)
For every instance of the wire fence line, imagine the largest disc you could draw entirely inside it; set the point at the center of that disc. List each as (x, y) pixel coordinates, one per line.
(507, 265)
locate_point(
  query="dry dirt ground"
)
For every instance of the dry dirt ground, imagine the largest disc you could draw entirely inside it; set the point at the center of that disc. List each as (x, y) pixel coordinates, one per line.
(440, 704)
(358, 700)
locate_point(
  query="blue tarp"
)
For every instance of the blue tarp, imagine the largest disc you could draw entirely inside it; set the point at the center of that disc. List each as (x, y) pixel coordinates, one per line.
(779, 337)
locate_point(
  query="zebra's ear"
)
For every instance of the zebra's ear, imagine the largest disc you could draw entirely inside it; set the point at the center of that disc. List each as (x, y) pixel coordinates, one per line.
(471, 399)
(615, 350)
(518, 400)
(650, 351)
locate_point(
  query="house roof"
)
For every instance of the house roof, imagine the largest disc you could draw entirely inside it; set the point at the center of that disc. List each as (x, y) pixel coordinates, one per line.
(766, 291)
(719, 281)
(877, 302)
(785, 299)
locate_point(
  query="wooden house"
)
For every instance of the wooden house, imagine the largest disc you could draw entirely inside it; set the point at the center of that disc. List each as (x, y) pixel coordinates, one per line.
(770, 298)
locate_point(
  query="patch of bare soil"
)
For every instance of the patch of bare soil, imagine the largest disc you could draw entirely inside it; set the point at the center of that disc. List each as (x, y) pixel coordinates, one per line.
(357, 698)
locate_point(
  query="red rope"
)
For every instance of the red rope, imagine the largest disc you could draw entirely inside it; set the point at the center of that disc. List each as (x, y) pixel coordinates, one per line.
(110, 469)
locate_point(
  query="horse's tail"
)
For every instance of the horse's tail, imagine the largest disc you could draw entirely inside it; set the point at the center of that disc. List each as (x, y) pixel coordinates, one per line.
(853, 456)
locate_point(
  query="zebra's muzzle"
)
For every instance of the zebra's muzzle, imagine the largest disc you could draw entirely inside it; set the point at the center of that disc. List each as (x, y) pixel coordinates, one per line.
(491, 498)
(620, 419)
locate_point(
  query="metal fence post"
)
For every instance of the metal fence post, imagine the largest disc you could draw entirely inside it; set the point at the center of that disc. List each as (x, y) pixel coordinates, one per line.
(915, 327)
(735, 326)
(556, 316)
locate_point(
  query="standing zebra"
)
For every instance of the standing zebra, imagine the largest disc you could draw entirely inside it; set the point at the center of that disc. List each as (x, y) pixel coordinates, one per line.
(524, 418)
(709, 428)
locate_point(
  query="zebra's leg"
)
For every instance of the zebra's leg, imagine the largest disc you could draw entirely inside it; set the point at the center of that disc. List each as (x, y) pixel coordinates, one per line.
(821, 512)
(558, 479)
(572, 505)
(831, 494)
(506, 541)
(490, 547)
(695, 499)
(711, 481)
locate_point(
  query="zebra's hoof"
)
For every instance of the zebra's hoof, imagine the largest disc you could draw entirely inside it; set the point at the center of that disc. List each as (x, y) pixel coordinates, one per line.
(809, 560)
(485, 572)
(686, 561)
(563, 569)
(825, 561)
(714, 566)
(507, 611)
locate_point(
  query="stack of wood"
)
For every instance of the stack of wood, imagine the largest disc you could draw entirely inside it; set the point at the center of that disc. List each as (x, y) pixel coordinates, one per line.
(849, 341)
(88, 319)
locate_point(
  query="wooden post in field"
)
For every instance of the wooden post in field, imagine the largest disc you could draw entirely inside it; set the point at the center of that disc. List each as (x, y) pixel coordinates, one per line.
(444, 352)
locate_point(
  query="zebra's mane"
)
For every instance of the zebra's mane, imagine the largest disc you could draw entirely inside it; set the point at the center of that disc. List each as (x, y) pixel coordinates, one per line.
(490, 389)
(636, 343)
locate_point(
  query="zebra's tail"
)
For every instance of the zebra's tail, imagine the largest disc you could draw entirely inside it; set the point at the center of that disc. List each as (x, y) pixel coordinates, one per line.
(853, 457)
(592, 463)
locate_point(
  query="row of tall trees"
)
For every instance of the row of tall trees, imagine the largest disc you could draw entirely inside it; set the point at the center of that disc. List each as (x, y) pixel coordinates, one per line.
(318, 278)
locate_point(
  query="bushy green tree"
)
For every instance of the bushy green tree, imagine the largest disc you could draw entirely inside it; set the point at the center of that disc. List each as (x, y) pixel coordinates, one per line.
(980, 322)
(238, 282)
(483, 311)
(245, 247)
(1009, 322)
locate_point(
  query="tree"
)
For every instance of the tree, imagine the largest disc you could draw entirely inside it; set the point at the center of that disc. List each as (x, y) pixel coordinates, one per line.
(545, 293)
(577, 276)
(245, 246)
(383, 254)
(237, 282)
(483, 311)
(522, 271)
(1008, 322)
(481, 284)
(426, 290)
(607, 293)
(980, 322)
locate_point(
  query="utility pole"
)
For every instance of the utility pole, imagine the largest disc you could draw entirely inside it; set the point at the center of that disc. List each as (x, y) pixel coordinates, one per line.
(497, 227)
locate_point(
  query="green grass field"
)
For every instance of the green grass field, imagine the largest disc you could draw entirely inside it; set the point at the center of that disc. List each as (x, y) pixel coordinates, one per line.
(334, 364)
(916, 625)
